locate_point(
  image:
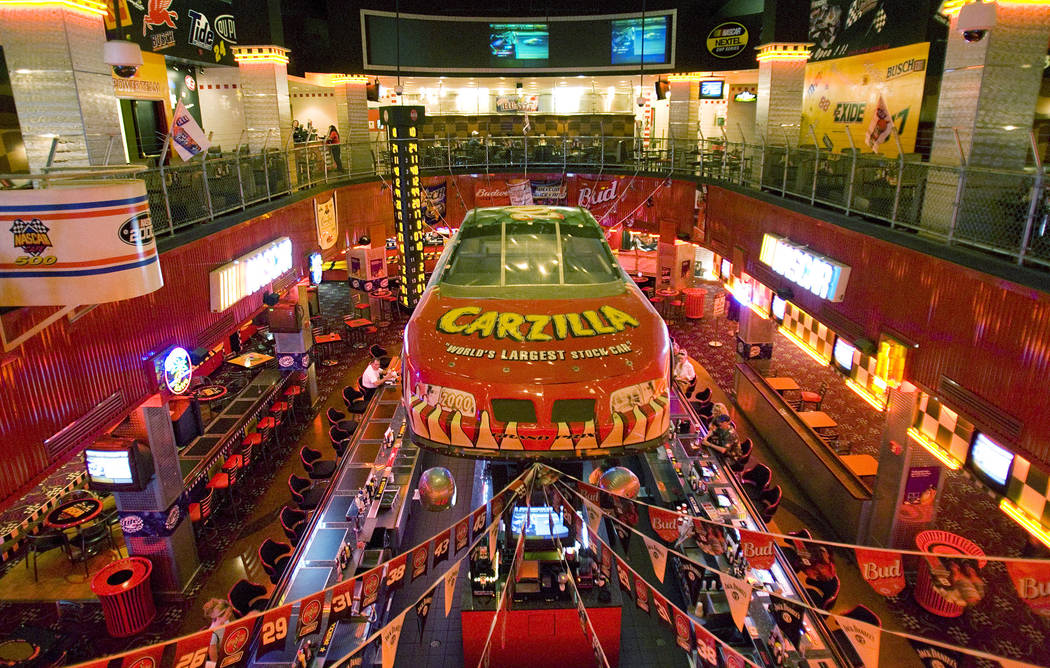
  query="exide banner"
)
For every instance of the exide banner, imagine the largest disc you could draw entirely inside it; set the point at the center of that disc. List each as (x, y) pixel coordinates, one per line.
(882, 570)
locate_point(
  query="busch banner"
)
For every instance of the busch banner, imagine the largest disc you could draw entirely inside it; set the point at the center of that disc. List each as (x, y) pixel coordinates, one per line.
(882, 570)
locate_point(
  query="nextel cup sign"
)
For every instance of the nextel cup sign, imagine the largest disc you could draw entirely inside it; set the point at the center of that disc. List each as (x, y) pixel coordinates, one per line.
(822, 276)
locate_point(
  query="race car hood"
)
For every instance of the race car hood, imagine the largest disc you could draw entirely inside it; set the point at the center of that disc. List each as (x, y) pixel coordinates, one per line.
(537, 341)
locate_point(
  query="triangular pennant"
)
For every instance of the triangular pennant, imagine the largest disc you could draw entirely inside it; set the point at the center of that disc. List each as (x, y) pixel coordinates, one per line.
(788, 617)
(1032, 582)
(706, 646)
(419, 560)
(274, 630)
(235, 637)
(738, 594)
(624, 535)
(1010, 663)
(757, 548)
(933, 656)
(882, 570)
(143, 657)
(423, 609)
(594, 516)
(623, 574)
(658, 555)
(310, 609)
(391, 633)
(442, 543)
(450, 579)
(664, 523)
(865, 638)
(589, 492)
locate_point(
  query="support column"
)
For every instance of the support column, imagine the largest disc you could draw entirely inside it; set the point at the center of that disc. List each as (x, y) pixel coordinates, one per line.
(781, 83)
(264, 90)
(60, 84)
(351, 106)
(754, 340)
(684, 109)
(402, 132)
(985, 112)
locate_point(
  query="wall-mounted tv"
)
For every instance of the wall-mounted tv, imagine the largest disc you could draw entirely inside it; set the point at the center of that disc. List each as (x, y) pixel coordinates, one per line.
(712, 89)
(544, 523)
(777, 307)
(726, 269)
(990, 462)
(842, 355)
(630, 39)
(519, 41)
(745, 96)
(121, 465)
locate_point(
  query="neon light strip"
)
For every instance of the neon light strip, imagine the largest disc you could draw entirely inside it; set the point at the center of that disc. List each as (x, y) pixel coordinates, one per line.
(805, 348)
(1025, 520)
(952, 7)
(93, 7)
(350, 78)
(934, 449)
(270, 59)
(865, 395)
(692, 76)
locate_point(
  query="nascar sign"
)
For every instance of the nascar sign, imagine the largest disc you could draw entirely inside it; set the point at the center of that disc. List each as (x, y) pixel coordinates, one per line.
(79, 243)
(822, 276)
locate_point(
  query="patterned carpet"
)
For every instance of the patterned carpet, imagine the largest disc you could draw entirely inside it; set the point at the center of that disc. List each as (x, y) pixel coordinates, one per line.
(81, 628)
(1000, 624)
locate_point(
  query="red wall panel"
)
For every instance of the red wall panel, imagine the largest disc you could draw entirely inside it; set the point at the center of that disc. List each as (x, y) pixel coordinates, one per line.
(68, 368)
(535, 637)
(988, 334)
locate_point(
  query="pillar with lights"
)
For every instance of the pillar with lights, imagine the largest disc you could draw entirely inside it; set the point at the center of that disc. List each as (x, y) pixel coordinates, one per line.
(402, 127)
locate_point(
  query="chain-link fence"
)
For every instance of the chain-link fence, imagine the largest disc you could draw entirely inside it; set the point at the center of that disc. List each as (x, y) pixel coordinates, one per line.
(1005, 213)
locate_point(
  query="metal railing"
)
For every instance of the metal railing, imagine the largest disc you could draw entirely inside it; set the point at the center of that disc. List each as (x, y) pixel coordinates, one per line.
(994, 211)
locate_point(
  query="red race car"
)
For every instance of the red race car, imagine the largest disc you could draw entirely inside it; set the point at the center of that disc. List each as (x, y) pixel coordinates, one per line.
(531, 342)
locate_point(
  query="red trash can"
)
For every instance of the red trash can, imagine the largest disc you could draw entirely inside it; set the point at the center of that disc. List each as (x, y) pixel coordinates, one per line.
(127, 598)
(694, 302)
(943, 588)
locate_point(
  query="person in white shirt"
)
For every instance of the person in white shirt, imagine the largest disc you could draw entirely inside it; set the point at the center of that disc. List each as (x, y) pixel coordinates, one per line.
(372, 378)
(684, 374)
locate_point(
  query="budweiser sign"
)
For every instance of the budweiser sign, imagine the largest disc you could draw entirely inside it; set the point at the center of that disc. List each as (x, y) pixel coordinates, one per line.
(484, 193)
(599, 192)
(757, 549)
(882, 570)
(665, 523)
(1032, 581)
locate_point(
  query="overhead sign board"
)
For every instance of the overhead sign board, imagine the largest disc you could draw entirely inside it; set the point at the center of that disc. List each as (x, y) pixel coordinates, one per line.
(820, 275)
(244, 276)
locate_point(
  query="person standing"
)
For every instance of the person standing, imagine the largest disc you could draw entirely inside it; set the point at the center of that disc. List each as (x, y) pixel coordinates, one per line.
(333, 145)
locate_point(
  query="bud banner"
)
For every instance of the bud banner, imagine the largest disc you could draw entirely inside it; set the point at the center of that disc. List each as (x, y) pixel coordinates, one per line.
(450, 585)
(706, 646)
(882, 570)
(461, 533)
(274, 630)
(370, 582)
(589, 492)
(491, 193)
(623, 574)
(665, 523)
(738, 593)
(865, 638)
(1032, 581)
(310, 609)
(757, 549)
(391, 633)
(658, 555)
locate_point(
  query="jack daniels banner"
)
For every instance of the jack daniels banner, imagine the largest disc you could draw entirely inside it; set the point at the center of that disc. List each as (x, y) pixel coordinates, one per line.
(865, 637)
(274, 628)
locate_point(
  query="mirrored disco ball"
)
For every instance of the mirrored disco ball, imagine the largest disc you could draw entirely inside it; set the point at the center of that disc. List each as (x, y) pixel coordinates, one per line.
(437, 489)
(620, 481)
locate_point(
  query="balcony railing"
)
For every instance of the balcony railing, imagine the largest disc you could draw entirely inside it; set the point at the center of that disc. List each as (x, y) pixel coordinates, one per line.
(1004, 213)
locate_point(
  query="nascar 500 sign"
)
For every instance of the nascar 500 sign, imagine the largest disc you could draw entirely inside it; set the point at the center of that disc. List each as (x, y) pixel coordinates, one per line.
(81, 243)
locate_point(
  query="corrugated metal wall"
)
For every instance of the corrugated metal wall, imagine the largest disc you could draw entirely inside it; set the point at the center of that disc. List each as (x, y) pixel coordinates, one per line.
(67, 369)
(989, 335)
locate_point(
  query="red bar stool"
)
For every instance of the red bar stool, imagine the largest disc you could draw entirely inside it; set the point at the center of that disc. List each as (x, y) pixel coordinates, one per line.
(676, 310)
(222, 483)
(294, 396)
(268, 427)
(658, 304)
(200, 513)
(282, 409)
(363, 310)
(252, 447)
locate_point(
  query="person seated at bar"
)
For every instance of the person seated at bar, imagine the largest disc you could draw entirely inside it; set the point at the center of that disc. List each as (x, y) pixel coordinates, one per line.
(684, 374)
(723, 439)
(374, 376)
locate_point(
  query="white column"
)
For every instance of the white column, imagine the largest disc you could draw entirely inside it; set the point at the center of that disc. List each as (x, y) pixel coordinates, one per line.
(684, 108)
(351, 105)
(60, 84)
(781, 83)
(264, 90)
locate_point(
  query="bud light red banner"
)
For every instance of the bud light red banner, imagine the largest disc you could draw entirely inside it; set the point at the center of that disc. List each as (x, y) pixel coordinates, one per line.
(757, 548)
(477, 522)
(590, 492)
(193, 650)
(662, 610)
(461, 533)
(664, 523)
(419, 561)
(641, 594)
(623, 574)
(882, 570)
(343, 599)
(395, 572)
(310, 609)
(442, 542)
(1032, 581)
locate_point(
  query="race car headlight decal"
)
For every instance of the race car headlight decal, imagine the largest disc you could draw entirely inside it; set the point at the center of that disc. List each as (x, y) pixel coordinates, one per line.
(447, 399)
(628, 398)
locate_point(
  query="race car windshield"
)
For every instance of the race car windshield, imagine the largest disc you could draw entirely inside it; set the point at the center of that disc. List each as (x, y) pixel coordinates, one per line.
(531, 253)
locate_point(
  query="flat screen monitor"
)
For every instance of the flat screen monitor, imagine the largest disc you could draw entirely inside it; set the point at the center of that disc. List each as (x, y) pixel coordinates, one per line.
(726, 269)
(544, 523)
(777, 308)
(745, 96)
(712, 90)
(630, 39)
(519, 41)
(118, 465)
(991, 462)
(842, 355)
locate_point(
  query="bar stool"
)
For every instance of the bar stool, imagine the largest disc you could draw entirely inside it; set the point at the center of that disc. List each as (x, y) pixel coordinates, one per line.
(293, 522)
(200, 513)
(283, 410)
(676, 310)
(268, 427)
(294, 396)
(274, 557)
(356, 330)
(316, 467)
(363, 310)
(658, 304)
(253, 444)
(222, 482)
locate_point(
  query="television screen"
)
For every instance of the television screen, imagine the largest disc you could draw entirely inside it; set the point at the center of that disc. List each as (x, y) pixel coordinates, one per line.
(544, 523)
(629, 40)
(745, 96)
(726, 268)
(990, 461)
(843, 355)
(777, 307)
(712, 90)
(110, 467)
(518, 41)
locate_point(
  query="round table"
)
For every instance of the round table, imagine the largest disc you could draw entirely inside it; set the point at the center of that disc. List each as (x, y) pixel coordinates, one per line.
(30, 647)
(210, 392)
(73, 513)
